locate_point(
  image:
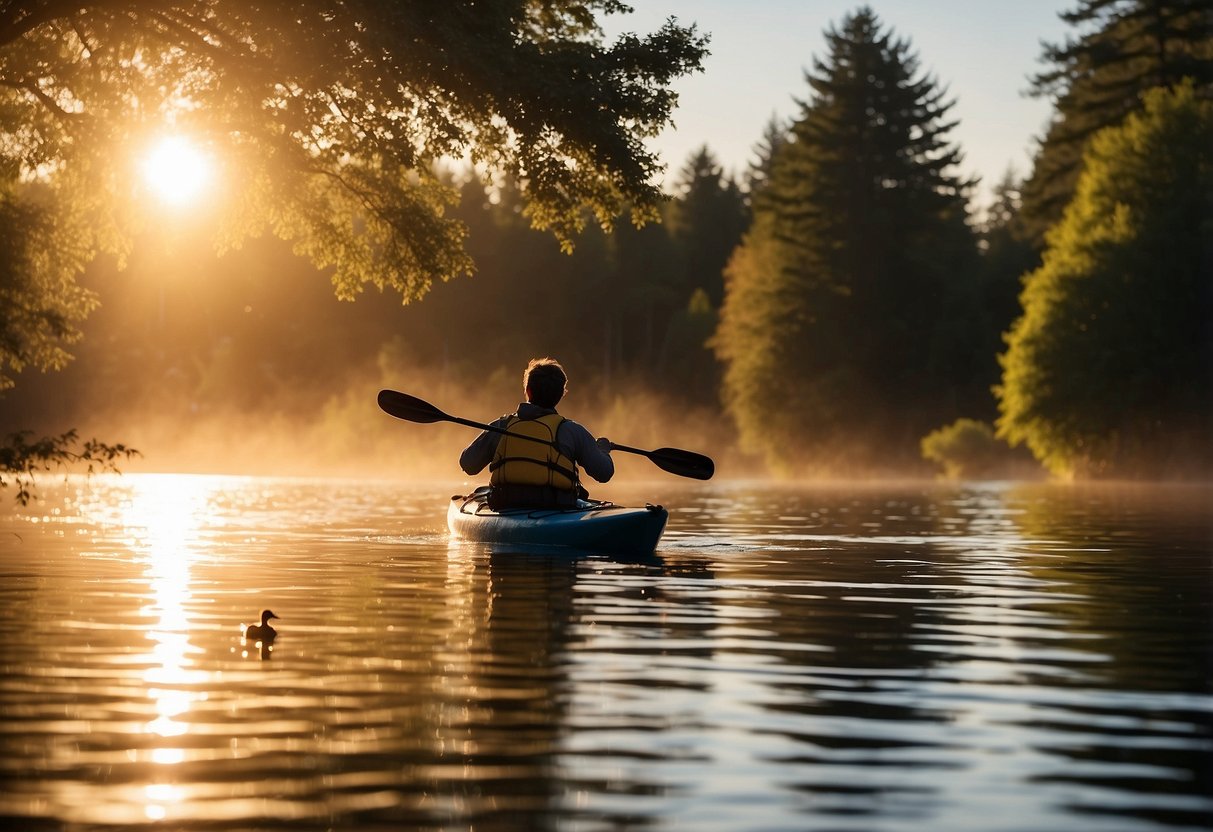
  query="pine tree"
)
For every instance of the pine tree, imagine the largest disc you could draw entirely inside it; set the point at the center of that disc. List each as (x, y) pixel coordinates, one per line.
(862, 237)
(1006, 258)
(1123, 49)
(1110, 370)
(758, 173)
(707, 220)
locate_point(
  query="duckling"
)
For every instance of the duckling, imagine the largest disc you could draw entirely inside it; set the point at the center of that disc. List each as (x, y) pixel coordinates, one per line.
(262, 631)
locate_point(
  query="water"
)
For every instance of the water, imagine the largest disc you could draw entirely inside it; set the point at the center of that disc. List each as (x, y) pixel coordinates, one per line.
(870, 658)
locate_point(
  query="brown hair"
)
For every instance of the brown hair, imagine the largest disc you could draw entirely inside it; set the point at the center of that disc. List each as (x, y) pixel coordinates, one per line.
(544, 382)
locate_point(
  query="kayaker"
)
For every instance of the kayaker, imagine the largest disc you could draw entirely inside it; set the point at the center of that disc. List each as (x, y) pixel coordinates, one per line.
(540, 471)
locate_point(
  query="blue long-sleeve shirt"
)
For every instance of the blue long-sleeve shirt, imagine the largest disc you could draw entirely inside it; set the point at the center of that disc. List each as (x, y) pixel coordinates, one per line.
(574, 441)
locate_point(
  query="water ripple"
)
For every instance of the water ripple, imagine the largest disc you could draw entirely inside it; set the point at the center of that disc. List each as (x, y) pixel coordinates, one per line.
(894, 658)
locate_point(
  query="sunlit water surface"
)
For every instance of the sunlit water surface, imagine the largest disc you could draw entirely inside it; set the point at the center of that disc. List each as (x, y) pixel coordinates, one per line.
(870, 658)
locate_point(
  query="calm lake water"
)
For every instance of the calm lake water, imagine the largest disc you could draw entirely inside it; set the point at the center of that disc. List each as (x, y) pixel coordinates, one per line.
(918, 657)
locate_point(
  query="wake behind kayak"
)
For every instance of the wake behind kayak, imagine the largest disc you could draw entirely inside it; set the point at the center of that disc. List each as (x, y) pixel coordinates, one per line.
(593, 526)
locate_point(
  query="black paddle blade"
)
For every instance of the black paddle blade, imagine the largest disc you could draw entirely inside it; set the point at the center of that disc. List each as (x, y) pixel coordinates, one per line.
(683, 463)
(404, 406)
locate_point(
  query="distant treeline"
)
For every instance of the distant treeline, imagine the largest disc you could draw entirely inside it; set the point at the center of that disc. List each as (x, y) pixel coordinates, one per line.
(840, 300)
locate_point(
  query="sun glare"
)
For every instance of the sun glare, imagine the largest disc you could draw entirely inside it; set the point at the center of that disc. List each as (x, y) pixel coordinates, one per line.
(177, 170)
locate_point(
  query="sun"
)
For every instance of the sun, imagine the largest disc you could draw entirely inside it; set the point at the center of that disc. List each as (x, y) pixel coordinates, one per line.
(177, 170)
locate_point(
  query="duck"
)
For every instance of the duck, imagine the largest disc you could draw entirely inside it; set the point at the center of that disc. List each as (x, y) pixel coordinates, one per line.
(262, 631)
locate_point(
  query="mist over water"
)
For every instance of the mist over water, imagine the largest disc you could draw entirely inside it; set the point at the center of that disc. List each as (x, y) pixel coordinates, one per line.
(845, 657)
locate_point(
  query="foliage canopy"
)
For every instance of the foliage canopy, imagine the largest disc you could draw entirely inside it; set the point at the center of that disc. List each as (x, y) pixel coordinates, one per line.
(330, 119)
(1109, 372)
(1121, 49)
(966, 449)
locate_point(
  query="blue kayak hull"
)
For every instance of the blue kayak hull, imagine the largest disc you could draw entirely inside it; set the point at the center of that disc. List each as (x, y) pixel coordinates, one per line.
(592, 526)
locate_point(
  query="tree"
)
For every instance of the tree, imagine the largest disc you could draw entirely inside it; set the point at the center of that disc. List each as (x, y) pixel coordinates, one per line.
(1123, 49)
(758, 172)
(21, 459)
(1006, 257)
(966, 449)
(707, 217)
(707, 220)
(862, 235)
(762, 323)
(1005, 254)
(39, 296)
(688, 367)
(332, 124)
(1109, 372)
(330, 119)
(642, 286)
(40, 303)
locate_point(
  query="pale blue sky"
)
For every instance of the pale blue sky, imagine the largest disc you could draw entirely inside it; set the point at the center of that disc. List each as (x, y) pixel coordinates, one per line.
(983, 51)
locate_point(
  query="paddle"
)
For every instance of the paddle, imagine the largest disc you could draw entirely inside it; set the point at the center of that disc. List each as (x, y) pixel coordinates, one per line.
(674, 460)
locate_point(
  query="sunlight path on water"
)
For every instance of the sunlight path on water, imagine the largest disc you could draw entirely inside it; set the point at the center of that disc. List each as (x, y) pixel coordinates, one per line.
(846, 657)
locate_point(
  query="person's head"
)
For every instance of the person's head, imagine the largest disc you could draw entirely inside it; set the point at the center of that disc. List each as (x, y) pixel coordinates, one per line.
(544, 382)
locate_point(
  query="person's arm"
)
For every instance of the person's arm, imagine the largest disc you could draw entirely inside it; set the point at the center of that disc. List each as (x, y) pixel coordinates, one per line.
(587, 453)
(480, 452)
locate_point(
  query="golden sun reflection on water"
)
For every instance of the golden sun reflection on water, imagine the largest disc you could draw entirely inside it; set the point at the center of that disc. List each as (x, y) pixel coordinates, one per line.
(164, 518)
(159, 797)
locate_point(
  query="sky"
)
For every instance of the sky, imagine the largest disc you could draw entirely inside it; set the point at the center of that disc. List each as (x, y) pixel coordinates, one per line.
(982, 51)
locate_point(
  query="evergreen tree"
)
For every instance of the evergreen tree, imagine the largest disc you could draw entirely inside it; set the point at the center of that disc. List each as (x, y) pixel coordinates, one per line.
(1110, 370)
(758, 173)
(1006, 258)
(865, 329)
(644, 286)
(1123, 49)
(687, 366)
(706, 222)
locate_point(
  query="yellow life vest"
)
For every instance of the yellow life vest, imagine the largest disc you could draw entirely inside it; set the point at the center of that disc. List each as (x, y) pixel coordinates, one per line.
(519, 461)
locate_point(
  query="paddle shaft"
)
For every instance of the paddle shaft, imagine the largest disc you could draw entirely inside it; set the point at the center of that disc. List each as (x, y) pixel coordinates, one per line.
(419, 408)
(618, 447)
(673, 460)
(614, 446)
(469, 423)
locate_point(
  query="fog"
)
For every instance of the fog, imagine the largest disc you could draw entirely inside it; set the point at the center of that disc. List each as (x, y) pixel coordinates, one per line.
(247, 364)
(349, 436)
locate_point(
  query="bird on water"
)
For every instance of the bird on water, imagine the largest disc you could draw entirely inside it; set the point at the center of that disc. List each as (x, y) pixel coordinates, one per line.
(262, 631)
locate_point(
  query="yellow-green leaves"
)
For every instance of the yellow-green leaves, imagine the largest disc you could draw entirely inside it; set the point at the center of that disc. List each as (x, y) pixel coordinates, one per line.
(1109, 370)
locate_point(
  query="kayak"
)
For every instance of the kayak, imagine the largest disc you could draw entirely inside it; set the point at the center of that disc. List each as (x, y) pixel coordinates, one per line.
(593, 526)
